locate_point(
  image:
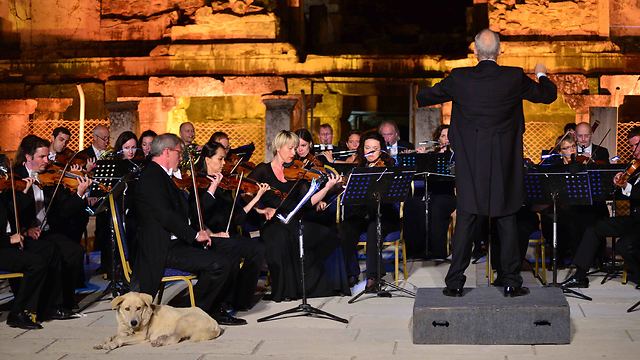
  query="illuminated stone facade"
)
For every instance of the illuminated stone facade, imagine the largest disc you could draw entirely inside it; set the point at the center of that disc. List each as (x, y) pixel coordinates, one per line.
(216, 62)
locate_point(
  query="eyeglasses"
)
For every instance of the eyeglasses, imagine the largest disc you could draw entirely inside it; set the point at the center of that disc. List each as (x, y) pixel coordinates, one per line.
(105, 139)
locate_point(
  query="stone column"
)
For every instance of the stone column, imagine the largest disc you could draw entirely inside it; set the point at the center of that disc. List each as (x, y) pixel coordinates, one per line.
(278, 117)
(14, 122)
(427, 119)
(122, 116)
(51, 108)
(153, 112)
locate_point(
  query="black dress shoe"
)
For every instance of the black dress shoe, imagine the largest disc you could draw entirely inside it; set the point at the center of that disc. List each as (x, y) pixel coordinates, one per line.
(574, 282)
(513, 291)
(61, 314)
(452, 292)
(225, 319)
(22, 320)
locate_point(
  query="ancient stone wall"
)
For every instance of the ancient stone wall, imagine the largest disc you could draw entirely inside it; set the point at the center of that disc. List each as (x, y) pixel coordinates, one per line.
(549, 18)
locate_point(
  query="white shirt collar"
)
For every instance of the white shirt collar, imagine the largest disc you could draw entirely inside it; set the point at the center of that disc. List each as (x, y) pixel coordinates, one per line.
(96, 151)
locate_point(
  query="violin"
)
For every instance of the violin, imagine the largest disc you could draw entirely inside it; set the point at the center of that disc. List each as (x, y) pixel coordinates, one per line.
(248, 186)
(629, 172)
(63, 158)
(582, 159)
(233, 164)
(5, 183)
(52, 175)
(314, 161)
(296, 170)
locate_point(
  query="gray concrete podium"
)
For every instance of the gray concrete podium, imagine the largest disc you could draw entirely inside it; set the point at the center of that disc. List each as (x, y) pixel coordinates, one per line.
(485, 316)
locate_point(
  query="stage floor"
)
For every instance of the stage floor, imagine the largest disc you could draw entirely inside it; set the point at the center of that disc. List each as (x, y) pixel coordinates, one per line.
(378, 328)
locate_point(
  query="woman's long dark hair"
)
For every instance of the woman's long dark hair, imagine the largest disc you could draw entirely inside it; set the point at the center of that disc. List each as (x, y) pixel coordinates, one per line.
(123, 138)
(305, 135)
(146, 133)
(208, 150)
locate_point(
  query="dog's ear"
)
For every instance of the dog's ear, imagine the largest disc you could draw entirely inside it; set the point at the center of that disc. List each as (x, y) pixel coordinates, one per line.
(115, 303)
(147, 299)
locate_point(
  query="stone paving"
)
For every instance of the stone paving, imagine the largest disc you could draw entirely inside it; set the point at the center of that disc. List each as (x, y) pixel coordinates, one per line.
(378, 328)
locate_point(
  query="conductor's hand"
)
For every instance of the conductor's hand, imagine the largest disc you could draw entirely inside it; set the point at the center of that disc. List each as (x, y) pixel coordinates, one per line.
(203, 237)
(540, 68)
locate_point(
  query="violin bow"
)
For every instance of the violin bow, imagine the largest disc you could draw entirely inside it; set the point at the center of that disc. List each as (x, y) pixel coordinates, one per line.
(233, 204)
(195, 194)
(15, 204)
(55, 191)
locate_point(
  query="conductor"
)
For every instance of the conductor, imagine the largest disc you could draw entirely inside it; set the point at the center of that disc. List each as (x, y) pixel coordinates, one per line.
(487, 124)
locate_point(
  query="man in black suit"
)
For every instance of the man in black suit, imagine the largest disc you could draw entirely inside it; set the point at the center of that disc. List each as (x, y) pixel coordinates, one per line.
(391, 134)
(586, 147)
(626, 228)
(487, 124)
(47, 218)
(165, 238)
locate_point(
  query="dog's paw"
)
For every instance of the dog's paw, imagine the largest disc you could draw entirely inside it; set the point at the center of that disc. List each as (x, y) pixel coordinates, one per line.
(160, 341)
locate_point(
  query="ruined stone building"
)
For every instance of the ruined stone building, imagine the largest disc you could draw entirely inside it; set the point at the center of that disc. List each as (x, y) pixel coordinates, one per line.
(251, 68)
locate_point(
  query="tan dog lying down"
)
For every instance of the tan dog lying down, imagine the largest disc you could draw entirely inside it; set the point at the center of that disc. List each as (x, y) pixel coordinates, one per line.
(139, 320)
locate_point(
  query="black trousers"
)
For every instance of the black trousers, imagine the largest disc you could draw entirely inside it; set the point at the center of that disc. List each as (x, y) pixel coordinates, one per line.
(626, 228)
(211, 267)
(527, 222)
(467, 225)
(72, 266)
(242, 281)
(40, 290)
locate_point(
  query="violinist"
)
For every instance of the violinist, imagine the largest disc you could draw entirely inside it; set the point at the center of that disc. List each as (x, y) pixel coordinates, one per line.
(53, 219)
(304, 151)
(361, 219)
(38, 294)
(217, 204)
(126, 147)
(625, 228)
(221, 138)
(281, 240)
(59, 141)
(164, 236)
(584, 134)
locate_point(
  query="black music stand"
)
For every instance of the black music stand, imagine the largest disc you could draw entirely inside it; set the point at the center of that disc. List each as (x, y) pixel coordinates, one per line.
(603, 189)
(383, 186)
(570, 189)
(304, 308)
(437, 166)
(115, 286)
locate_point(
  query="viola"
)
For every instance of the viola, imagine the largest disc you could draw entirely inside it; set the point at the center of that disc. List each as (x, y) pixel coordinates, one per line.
(64, 157)
(232, 160)
(581, 159)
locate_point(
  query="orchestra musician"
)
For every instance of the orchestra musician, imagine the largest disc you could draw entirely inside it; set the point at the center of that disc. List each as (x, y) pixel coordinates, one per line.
(59, 141)
(221, 138)
(487, 124)
(52, 219)
(359, 219)
(217, 204)
(625, 228)
(584, 135)
(391, 134)
(99, 145)
(165, 238)
(281, 240)
(353, 142)
(38, 294)
(144, 143)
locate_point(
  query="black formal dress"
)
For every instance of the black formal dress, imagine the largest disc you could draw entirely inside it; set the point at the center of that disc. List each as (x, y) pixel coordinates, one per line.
(165, 240)
(487, 124)
(216, 208)
(64, 210)
(282, 247)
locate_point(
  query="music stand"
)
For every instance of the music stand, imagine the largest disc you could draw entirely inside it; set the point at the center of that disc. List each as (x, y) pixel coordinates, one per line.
(603, 189)
(571, 189)
(114, 286)
(383, 186)
(438, 166)
(107, 174)
(304, 308)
